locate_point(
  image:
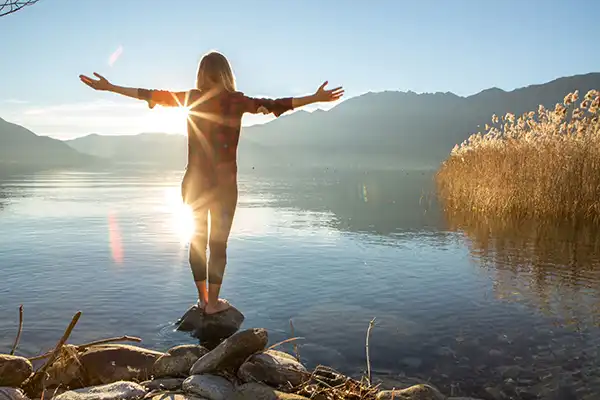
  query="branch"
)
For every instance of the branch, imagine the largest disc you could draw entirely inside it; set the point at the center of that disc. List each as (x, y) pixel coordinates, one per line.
(84, 346)
(13, 6)
(18, 338)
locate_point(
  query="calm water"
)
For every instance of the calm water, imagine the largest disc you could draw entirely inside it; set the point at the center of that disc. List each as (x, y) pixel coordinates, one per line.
(463, 304)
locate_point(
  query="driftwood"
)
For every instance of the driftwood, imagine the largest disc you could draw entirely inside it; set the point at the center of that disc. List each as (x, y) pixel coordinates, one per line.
(35, 383)
(18, 338)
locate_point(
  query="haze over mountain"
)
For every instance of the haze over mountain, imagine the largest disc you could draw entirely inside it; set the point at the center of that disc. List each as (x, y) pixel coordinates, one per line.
(375, 130)
(21, 147)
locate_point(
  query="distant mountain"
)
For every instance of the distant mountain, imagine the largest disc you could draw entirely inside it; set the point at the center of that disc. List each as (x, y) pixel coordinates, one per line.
(403, 128)
(19, 147)
(375, 130)
(162, 148)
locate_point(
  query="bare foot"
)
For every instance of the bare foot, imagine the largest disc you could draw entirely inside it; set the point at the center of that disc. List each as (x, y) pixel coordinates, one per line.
(221, 305)
(201, 304)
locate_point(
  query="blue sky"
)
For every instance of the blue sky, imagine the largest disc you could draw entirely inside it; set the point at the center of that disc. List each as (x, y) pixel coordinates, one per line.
(277, 48)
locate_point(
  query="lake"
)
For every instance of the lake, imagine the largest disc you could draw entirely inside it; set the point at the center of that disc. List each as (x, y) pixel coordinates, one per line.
(465, 304)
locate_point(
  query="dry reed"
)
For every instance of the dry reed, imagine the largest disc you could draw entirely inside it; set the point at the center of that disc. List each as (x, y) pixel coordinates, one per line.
(543, 164)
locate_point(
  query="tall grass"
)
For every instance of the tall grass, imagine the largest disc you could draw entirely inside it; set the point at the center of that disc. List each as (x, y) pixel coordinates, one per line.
(543, 164)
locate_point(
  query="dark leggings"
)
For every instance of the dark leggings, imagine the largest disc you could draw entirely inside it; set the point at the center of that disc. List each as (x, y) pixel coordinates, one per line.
(220, 201)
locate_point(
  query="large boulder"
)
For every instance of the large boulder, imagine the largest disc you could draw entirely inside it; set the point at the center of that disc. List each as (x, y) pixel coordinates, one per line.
(210, 329)
(178, 361)
(416, 392)
(104, 364)
(258, 391)
(113, 391)
(14, 370)
(211, 387)
(10, 393)
(274, 368)
(232, 352)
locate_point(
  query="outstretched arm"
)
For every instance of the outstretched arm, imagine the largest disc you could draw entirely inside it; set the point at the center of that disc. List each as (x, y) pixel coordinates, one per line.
(280, 106)
(153, 97)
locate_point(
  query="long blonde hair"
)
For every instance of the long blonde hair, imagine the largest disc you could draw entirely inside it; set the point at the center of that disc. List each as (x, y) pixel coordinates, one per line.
(214, 70)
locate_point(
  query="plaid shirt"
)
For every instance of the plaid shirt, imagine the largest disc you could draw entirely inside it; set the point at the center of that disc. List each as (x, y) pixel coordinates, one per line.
(214, 124)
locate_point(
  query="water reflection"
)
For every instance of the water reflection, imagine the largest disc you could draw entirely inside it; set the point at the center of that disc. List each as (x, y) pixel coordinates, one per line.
(553, 267)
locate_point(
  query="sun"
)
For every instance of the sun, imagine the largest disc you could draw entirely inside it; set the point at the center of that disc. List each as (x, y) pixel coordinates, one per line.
(182, 218)
(168, 119)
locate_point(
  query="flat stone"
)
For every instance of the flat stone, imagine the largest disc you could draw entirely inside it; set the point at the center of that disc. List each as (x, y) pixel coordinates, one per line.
(274, 368)
(114, 391)
(232, 352)
(178, 361)
(10, 393)
(211, 387)
(416, 392)
(210, 328)
(163, 384)
(258, 391)
(14, 370)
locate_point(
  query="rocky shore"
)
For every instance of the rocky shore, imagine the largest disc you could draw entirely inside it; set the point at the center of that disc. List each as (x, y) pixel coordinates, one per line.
(236, 364)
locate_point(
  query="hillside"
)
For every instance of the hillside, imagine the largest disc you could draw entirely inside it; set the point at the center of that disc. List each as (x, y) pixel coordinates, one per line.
(19, 147)
(375, 130)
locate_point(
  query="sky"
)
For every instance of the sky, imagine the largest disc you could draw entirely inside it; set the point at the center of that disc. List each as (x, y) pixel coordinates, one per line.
(277, 49)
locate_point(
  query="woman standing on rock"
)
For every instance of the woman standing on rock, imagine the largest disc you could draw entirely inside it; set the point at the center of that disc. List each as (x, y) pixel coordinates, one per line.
(210, 180)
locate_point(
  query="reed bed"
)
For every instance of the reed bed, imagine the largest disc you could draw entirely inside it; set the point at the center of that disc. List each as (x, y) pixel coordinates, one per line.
(542, 164)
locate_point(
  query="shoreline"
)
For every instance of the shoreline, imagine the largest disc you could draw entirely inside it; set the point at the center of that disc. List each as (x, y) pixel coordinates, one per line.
(240, 366)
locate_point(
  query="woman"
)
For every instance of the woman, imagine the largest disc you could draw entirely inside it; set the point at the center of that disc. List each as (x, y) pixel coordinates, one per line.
(210, 180)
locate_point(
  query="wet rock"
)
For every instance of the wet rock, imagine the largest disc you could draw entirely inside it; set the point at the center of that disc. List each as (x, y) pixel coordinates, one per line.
(104, 364)
(462, 398)
(495, 393)
(163, 384)
(14, 370)
(412, 362)
(178, 361)
(275, 368)
(172, 396)
(417, 392)
(495, 353)
(113, 391)
(510, 371)
(257, 391)
(210, 328)
(10, 393)
(232, 352)
(210, 387)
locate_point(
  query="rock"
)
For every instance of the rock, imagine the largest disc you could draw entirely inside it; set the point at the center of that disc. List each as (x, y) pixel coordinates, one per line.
(178, 361)
(232, 352)
(211, 387)
(14, 370)
(113, 391)
(172, 396)
(210, 328)
(163, 384)
(495, 353)
(104, 364)
(275, 368)
(416, 392)
(495, 393)
(257, 391)
(10, 393)
(412, 362)
(510, 371)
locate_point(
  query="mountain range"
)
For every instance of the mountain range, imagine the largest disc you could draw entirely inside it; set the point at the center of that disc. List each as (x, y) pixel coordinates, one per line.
(375, 130)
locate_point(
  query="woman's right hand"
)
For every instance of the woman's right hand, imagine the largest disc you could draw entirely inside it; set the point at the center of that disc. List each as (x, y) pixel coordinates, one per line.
(100, 84)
